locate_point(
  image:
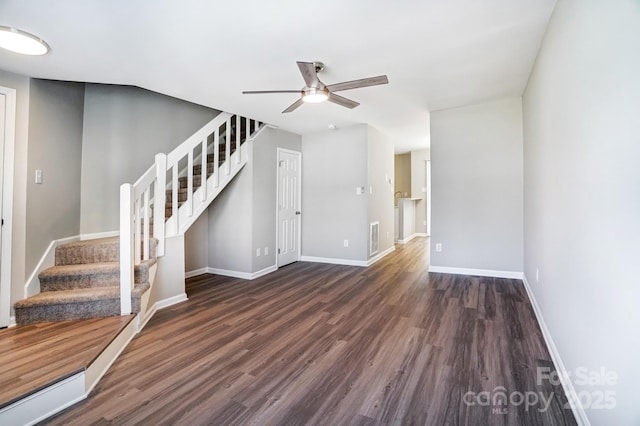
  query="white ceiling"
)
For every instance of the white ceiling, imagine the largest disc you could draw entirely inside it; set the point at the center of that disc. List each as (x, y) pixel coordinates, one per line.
(438, 54)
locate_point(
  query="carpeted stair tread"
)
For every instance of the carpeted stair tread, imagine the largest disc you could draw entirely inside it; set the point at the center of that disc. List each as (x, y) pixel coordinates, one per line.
(104, 274)
(89, 251)
(70, 296)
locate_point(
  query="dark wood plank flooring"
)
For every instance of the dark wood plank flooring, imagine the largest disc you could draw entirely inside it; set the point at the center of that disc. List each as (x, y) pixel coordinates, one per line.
(333, 345)
(38, 355)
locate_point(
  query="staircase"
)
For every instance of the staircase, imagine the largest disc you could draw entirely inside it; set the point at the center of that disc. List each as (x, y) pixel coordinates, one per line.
(84, 283)
(110, 276)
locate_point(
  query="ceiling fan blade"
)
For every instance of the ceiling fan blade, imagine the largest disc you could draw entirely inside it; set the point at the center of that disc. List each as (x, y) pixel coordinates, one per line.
(363, 82)
(309, 74)
(342, 101)
(293, 106)
(260, 92)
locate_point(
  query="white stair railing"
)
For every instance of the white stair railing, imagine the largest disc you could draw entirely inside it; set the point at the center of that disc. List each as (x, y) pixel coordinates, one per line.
(144, 207)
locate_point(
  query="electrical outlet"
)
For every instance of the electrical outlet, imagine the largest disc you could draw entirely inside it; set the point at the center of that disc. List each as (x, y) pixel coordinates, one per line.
(424, 222)
(438, 247)
(346, 243)
(370, 189)
(387, 235)
(266, 251)
(258, 252)
(537, 275)
(38, 176)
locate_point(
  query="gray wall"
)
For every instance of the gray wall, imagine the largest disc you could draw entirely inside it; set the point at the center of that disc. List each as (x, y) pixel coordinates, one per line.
(582, 192)
(476, 160)
(419, 159)
(334, 164)
(380, 171)
(124, 127)
(55, 147)
(196, 244)
(402, 172)
(243, 218)
(18, 273)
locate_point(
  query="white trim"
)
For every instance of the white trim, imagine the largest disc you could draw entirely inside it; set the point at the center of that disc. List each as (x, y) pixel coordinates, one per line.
(379, 256)
(265, 271)
(8, 159)
(334, 261)
(241, 275)
(12, 321)
(196, 272)
(107, 357)
(406, 240)
(45, 403)
(569, 390)
(421, 234)
(161, 304)
(477, 272)
(96, 235)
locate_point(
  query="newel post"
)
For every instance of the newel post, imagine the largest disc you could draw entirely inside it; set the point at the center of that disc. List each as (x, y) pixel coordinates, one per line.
(126, 247)
(160, 202)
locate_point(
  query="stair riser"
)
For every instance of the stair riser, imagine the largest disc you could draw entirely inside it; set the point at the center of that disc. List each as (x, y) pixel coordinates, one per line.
(110, 279)
(73, 310)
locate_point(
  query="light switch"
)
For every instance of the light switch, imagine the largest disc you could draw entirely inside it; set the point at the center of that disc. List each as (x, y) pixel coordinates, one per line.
(38, 176)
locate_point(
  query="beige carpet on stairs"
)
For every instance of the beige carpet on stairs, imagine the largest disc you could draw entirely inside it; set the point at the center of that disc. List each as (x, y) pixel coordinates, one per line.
(84, 283)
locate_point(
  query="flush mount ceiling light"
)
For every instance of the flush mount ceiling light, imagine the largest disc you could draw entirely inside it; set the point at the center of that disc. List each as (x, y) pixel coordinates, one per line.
(22, 42)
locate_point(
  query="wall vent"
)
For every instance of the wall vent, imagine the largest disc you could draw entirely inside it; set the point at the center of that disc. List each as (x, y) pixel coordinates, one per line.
(374, 236)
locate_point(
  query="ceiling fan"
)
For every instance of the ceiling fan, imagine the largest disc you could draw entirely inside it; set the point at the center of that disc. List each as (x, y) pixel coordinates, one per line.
(316, 91)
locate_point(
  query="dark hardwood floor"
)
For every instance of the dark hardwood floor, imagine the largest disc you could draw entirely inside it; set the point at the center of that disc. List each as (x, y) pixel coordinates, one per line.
(37, 355)
(334, 345)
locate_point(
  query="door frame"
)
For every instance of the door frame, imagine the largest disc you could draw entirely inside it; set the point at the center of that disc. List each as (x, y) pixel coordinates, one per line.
(299, 154)
(6, 204)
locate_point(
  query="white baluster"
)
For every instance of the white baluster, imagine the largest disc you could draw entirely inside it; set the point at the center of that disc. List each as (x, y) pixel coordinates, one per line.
(227, 148)
(137, 238)
(190, 183)
(204, 170)
(159, 202)
(174, 197)
(146, 236)
(238, 137)
(126, 247)
(216, 156)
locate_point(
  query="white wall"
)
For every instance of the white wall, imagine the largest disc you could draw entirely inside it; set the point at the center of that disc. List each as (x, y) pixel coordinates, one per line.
(582, 192)
(380, 191)
(476, 160)
(55, 147)
(124, 128)
(334, 164)
(196, 244)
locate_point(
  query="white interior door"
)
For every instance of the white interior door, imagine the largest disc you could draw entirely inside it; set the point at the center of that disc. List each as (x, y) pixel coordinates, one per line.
(289, 176)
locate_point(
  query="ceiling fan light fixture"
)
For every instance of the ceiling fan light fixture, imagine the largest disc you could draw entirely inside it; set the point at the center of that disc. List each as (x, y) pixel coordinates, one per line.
(314, 96)
(22, 42)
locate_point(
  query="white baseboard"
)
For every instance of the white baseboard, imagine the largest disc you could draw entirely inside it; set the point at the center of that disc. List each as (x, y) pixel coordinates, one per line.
(421, 234)
(196, 272)
(97, 235)
(381, 255)
(12, 321)
(334, 261)
(160, 304)
(477, 272)
(569, 390)
(241, 275)
(409, 238)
